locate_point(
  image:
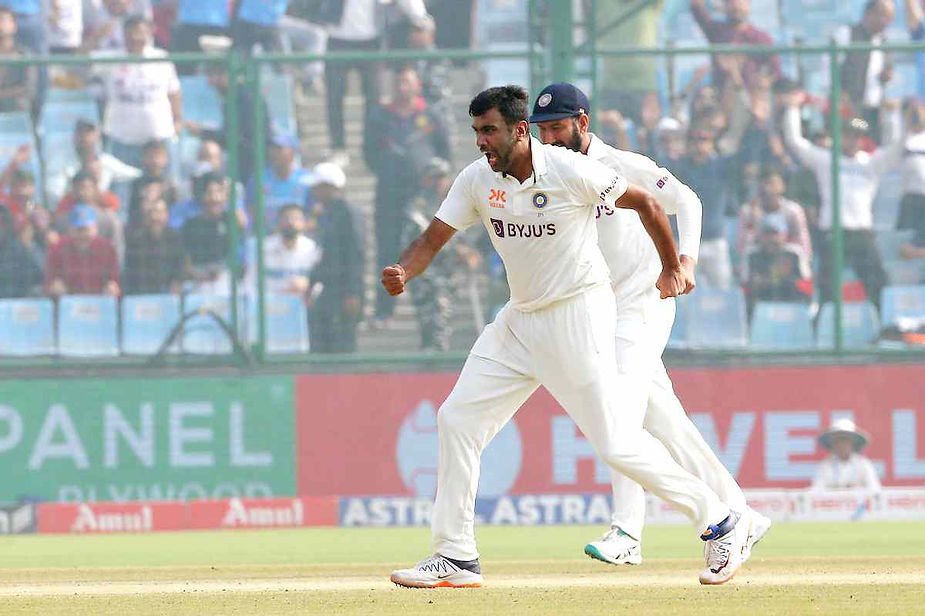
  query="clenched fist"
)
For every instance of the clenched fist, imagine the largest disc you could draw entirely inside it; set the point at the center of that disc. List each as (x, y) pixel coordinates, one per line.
(393, 279)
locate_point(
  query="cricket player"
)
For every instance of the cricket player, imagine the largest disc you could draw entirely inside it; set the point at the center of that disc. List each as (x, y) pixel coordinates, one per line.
(644, 320)
(538, 203)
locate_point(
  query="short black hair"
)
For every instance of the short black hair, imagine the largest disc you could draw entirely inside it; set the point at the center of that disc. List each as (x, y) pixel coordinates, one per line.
(201, 182)
(82, 176)
(154, 144)
(288, 208)
(770, 170)
(135, 20)
(511, 102)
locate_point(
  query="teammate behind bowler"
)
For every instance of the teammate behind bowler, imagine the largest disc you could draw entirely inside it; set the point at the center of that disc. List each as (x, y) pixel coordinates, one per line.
(562, 115)
(538, 204)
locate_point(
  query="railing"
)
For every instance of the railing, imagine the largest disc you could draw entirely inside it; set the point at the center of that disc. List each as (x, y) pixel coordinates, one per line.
(250, 74)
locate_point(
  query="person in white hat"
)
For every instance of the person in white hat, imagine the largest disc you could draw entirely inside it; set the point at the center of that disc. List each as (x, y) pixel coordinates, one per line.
(845, 468)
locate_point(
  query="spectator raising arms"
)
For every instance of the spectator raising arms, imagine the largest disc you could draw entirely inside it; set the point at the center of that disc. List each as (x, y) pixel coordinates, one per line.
(82, 262)
(859, 178)
(142, 100)
(734, 30)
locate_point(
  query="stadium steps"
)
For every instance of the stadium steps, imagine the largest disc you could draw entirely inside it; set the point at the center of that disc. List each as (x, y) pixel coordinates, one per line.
(311, 115)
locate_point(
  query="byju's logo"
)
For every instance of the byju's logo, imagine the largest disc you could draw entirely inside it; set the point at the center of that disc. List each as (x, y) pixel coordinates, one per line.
(498, 226)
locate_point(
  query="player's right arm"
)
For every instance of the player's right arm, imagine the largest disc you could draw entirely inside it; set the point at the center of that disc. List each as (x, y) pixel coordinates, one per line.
(458, 211)
(417, 256)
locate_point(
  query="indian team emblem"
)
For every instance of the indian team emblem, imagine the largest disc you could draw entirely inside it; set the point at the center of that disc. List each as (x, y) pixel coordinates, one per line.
(544, 100)
(540, 200)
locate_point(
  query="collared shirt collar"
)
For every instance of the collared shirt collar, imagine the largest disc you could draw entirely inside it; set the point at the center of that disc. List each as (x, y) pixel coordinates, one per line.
(538, 160)
(594, 145)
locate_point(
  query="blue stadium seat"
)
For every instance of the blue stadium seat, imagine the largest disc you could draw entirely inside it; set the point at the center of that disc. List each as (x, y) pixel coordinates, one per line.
(286, 323)
(860, 326)
(905, 272)
(60, 117)
(147, 321)
(88, 326)
(278, 92)
(781, 326)
(716, 319)
(27, 327)
(16, 122)
(201, 334)
(61, 95)
(889, 242)
(902, 301)
(202, 103)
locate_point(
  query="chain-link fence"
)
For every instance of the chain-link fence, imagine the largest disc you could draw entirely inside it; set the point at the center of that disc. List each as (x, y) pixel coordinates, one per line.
(217, 207)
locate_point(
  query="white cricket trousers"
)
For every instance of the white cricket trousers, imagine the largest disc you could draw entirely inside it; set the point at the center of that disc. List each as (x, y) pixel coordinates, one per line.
(643, 326)
(568, 348)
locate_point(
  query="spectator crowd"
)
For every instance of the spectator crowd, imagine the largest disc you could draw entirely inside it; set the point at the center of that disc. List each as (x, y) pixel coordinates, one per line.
(131, 214)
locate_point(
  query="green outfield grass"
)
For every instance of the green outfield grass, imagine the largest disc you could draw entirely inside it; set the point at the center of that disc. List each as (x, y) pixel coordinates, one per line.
(862, 568)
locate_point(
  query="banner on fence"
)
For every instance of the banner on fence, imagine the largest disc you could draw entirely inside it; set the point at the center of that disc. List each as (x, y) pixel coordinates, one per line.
(146, 440)
(368, 435)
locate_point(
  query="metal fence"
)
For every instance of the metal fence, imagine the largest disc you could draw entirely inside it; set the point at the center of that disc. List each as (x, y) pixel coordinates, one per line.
(244, 323)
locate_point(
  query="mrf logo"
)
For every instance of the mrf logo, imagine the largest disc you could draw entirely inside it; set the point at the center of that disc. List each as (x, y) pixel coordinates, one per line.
(498, 226)
(497, 198)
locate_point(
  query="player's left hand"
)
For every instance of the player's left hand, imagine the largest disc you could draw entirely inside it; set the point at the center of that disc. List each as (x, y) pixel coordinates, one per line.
(688, 265)
(671, 282)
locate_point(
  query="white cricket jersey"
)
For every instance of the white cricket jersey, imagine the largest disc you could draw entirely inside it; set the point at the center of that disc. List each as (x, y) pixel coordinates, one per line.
(629, 251)
(543, 228)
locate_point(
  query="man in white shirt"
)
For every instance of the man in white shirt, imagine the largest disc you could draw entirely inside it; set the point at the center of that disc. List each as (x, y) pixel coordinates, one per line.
(643, 320)
(142, 99)
(538, 204)
(288, 256)
(846, 468)
(859, 178)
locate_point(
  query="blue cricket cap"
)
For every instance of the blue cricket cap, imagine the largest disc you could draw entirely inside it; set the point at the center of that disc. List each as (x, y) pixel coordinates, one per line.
(558, 101)
(82, 215)
(285, 140)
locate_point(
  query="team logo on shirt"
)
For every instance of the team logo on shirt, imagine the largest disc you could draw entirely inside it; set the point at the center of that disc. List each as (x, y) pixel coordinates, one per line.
(540, 200)
(497, 198)
(544, 100)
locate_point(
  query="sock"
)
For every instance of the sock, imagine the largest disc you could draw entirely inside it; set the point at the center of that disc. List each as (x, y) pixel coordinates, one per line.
(715, 531)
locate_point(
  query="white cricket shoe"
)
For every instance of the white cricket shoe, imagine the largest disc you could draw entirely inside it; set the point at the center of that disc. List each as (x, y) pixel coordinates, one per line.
(616, 548)
(437, 572)
(760, 526)
(725, 553)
